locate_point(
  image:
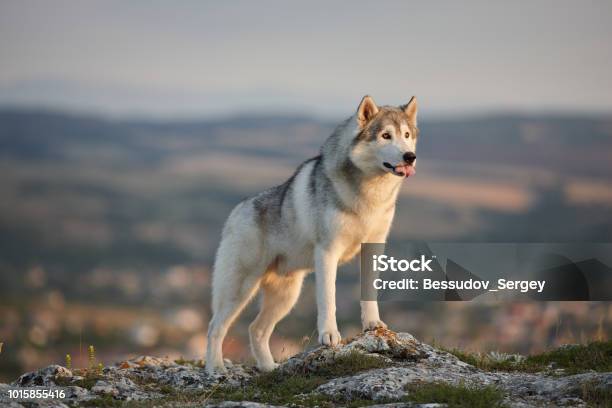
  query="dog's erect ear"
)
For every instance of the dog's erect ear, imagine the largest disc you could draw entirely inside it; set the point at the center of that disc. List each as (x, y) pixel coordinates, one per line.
(411, 110)
(366, 111)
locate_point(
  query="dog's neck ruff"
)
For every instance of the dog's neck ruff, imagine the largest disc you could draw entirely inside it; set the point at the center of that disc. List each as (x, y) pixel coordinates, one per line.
(362, 193)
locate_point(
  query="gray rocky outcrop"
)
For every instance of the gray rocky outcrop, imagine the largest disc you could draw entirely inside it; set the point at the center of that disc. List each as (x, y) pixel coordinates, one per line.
(403, 360)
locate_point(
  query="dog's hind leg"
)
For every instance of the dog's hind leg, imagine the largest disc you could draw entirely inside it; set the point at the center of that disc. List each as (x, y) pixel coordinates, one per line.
(279, 295)
(230, 301)
(236, 280)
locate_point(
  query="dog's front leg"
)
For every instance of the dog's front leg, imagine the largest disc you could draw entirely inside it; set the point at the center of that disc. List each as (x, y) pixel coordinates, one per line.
(326, 265)
(370, 318)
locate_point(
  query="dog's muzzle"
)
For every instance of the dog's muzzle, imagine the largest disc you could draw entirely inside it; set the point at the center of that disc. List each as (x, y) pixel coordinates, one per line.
(403, 170)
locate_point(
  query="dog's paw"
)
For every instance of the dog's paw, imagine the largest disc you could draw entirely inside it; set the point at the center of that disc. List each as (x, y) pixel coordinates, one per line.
(373, 324)
(330, 337)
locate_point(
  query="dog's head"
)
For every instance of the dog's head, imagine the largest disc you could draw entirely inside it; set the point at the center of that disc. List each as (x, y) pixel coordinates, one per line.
(386, 138)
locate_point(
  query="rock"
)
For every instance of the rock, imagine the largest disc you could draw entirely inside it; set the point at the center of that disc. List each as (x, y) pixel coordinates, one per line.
(240, 404)
(545, 389)
(44, 377)
(122, 388)
(147, 361)
(396, 359)
(380, 343)
(407, 405)
(4, 399)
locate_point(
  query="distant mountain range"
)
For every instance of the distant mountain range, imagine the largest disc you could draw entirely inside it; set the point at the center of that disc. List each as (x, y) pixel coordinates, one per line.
(578, 145)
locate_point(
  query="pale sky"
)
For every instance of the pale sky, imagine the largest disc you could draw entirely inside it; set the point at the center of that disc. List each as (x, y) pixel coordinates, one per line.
(196, 58)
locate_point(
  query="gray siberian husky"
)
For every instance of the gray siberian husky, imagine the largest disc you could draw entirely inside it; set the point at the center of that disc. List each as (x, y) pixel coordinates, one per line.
(315, 220)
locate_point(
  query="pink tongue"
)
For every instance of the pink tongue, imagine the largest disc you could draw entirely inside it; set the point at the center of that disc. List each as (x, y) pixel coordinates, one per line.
(407, 170)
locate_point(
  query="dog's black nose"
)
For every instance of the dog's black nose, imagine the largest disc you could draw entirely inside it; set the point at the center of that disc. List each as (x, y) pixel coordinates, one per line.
(409, 157)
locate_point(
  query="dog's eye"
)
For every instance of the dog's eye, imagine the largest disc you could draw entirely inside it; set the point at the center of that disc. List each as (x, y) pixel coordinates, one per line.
(407, 135)
(386, 136)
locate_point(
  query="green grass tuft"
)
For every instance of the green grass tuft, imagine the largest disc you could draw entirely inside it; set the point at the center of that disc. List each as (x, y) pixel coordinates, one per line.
(168, 390)
(273, 388)
(596, 395)
(455, 395)
(351, 363)
(579, 358)
(573, 359)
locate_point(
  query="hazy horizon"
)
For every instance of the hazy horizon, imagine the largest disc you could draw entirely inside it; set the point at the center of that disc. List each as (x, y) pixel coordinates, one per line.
(194, 59)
